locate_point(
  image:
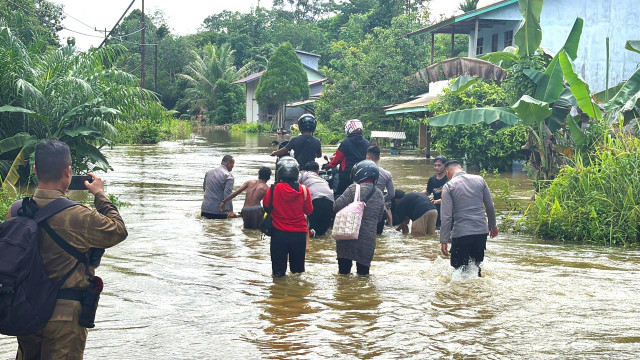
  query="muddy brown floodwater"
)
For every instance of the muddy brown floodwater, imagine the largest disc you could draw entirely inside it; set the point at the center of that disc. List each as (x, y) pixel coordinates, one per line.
(183, 288)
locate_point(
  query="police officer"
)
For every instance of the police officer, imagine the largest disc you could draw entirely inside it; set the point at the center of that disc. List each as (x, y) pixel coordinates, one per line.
(83, 228)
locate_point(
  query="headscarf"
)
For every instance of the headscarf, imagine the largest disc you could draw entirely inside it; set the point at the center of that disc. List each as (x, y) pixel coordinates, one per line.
(352, 125)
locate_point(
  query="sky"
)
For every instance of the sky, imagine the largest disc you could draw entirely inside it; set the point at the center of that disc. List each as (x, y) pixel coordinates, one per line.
(183, 16)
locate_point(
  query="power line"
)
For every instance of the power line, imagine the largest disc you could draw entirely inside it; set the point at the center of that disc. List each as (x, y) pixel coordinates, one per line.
(64, 27)
(81, 33)
(78, 20)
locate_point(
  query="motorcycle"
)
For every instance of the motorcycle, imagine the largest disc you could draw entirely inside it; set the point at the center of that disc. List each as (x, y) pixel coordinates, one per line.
(330, 175)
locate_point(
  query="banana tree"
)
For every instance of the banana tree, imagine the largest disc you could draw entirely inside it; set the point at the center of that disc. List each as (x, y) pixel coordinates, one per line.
(547, 111)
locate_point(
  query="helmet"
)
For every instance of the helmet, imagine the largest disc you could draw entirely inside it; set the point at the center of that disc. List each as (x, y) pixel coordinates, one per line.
(352, 125)
(307, 122)
(364, 170)
(287, 169)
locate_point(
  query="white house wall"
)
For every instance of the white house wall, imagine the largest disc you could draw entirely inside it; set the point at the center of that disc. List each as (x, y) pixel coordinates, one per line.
(618, 19)
(252, 104)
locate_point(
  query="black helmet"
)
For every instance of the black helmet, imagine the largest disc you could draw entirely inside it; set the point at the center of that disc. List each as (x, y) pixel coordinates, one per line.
(365, 169)
(307, 122)
(287, 169)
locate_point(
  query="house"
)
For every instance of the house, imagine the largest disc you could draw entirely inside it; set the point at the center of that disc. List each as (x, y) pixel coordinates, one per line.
(492, 27)
(316, 80)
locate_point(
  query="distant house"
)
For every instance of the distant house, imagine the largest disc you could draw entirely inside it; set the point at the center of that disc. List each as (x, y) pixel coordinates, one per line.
(256, 114)
(492, 27)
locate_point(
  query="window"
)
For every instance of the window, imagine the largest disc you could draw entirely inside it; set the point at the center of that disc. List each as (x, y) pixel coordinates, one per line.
(508, 38)
(479, 46)
(494, 42)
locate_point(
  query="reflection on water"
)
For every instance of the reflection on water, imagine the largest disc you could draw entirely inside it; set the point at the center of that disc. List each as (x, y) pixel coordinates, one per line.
(184, 288)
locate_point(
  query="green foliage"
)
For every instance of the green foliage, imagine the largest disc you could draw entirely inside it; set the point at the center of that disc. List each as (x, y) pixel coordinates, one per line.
(209, 78)
(6, 199)
(35, 22)
(250, 127)
(489, 146)
(148, 131)
(66, 95)
(596, 203)
(517, 83)
(370, 74)
(468, 5)
(284, 80)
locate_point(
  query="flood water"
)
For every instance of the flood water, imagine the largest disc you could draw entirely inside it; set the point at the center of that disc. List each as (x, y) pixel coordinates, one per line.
(184, 288)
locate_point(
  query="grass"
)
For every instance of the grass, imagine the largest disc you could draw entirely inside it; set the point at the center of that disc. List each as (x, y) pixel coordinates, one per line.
(595, 203)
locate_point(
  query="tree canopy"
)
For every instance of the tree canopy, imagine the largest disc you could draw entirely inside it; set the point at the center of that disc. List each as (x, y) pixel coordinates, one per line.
(284, 80)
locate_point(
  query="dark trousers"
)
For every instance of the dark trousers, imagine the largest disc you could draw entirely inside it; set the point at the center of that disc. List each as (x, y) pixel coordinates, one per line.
(322, 216)
(291, 245)
(380, 227)
(438, 221)
(344, 267)
(468, 248)
(206, 215)
(344, 180)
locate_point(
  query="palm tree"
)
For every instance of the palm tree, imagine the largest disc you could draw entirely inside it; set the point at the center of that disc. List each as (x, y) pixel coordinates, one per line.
(65, 95)
(202, 74)
(468, 5)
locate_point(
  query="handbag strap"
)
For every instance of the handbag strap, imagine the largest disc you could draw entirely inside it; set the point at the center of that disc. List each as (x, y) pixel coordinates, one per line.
(356, 196)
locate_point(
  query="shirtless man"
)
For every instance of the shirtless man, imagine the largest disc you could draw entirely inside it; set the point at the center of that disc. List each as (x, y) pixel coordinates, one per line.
(252, 212)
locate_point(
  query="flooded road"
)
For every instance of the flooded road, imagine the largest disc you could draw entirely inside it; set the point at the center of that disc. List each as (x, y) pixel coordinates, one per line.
(184, 288)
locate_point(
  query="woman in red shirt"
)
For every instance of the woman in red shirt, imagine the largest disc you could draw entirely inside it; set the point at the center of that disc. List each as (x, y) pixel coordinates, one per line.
(291, 202)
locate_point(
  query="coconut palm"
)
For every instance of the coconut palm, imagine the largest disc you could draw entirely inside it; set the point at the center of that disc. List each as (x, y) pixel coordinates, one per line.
(202, 74)
(65, 95)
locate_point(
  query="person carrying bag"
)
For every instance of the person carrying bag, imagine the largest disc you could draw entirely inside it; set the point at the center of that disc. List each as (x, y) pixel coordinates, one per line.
(353, 214)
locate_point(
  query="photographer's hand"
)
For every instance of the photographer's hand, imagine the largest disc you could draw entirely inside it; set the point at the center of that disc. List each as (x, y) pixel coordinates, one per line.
(96, 186)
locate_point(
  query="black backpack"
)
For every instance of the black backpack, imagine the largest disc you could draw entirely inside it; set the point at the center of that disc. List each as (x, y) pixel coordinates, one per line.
(27, 294)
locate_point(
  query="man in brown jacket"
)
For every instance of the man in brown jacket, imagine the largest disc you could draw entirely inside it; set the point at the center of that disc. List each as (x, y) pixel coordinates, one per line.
(83, 228)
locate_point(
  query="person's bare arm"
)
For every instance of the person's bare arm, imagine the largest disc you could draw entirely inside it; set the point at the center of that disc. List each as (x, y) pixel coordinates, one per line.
(233, 195)
(404, 227)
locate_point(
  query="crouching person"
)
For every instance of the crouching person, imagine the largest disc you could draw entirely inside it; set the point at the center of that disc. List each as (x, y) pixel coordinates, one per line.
(83, 233)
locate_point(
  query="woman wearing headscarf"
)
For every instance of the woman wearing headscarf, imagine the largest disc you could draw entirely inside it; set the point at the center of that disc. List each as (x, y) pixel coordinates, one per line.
(350, 152)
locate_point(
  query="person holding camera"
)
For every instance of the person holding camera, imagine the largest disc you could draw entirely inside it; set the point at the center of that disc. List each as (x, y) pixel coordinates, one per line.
(86, 230)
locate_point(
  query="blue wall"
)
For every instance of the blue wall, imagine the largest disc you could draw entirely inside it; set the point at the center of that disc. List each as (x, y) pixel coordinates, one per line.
(618, 19)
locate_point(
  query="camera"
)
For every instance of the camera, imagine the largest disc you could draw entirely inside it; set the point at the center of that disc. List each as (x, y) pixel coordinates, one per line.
(77, 182)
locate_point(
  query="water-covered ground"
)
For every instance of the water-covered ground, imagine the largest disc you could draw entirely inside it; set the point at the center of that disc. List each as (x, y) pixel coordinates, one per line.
(184, 288)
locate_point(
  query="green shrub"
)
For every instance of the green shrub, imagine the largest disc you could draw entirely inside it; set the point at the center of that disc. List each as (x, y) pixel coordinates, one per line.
(147, 131)
(6, 199)
(489, 146)
(251, 127)
(598, 202)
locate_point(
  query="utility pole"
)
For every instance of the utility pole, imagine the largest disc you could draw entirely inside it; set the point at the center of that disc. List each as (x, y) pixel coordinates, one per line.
(142, 74)
(116, 25)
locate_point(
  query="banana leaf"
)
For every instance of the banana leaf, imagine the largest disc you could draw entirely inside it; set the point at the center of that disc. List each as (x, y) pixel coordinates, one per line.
(535, 75)
(15, 142)
(13, 177)
(30, 113)
(550, 87)
(531, 111)
(475, 116)
(579, 88)
(529, 34)
(80, 130)
(625, 100)
(576, 133)
(501, 58)
(633, 45)
(560, 109)
(462, 83)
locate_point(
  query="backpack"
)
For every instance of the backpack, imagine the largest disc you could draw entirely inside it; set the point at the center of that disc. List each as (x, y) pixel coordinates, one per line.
(27, 294)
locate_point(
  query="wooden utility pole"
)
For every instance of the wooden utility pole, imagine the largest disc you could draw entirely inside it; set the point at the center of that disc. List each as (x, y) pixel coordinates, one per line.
(142, 73)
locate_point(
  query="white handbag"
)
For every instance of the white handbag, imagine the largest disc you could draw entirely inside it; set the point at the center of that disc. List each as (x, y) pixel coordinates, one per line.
(346, 225)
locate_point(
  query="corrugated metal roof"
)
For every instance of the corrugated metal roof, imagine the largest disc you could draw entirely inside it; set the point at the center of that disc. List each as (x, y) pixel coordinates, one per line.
(250, 78)
(394, 135)
(419, 104)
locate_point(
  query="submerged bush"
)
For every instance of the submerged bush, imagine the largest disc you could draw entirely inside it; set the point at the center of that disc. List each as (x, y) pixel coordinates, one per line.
(597, 203)
(251, 127)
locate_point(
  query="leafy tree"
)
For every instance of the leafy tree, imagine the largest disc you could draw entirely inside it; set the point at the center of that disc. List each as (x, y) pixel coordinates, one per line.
(284, 80)
(468, 5)
(202, 75)
(64, 95)
(369, 75)
(33, 20)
